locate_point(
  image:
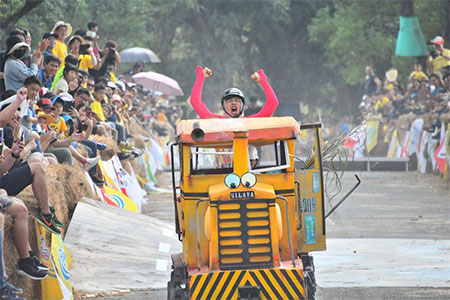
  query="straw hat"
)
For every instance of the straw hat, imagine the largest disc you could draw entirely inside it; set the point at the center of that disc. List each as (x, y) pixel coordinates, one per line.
(62, 23)
(76, 37)
(48, 118)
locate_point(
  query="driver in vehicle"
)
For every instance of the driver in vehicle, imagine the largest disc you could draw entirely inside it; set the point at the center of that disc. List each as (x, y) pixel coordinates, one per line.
(233, 100)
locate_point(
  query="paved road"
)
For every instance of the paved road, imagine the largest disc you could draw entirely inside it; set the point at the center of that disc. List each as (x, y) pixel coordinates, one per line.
(389, 206)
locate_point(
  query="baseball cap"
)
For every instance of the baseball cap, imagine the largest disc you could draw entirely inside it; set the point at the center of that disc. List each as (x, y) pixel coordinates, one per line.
(438, 40)
(58, 98)
(45, 103)
(50, 34)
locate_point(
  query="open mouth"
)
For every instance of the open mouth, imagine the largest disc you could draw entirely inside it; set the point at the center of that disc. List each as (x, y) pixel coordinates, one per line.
(234, 109)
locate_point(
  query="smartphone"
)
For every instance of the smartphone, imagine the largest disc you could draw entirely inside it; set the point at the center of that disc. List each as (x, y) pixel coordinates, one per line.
(68, 105)
(22, 136)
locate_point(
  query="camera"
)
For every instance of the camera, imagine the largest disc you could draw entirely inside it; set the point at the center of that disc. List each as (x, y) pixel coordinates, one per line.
(111, 51)
(433, 54)
(84, 48)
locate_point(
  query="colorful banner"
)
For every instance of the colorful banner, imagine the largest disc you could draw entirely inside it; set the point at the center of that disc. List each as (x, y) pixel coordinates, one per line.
(128, 184)
(105, 197)
(447, 167)
(424, 140)
(93, 186)
(372, 134)
(157, 153)
(120, 199)
(394, 146)
(416, 129)
(356, 142)
(50, 286)
(110, 181)
(150, 165)
(62, 261)
(405, 145)
(441, 154)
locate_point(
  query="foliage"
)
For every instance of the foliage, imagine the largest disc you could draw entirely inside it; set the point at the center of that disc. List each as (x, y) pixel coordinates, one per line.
(312, 51)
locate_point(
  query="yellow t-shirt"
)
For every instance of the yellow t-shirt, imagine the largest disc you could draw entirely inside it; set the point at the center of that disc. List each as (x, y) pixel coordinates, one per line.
(60, 50)
(380, 103)
(161, 117)
(97, 109)
(58, 76)
(85, 62)
(112, 77)
(59, 126)
(440, 62)
(417, 75)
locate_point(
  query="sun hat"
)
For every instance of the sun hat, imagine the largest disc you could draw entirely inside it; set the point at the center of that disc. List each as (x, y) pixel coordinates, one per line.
(76, 37)
(48, 118)
(62, 23)
(13, 43)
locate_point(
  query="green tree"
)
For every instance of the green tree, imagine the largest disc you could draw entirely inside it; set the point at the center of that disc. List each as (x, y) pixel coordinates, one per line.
(312, 51)
(353, 34)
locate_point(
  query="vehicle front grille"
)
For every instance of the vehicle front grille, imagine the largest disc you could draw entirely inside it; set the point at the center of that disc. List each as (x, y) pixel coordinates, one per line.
(244, 234)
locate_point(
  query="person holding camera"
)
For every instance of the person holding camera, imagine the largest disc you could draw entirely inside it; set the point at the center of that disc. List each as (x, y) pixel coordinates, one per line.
(88, 58)
(109, 58)
(82, 48)
(439, 57)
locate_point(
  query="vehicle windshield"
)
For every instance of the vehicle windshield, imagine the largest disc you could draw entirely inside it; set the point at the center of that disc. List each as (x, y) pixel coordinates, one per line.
(210, 159)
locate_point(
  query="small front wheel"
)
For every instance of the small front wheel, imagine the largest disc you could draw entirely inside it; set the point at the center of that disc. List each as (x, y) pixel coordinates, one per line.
(170, 291)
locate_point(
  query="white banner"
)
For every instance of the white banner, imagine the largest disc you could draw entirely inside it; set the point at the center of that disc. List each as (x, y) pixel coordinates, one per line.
(416, 129)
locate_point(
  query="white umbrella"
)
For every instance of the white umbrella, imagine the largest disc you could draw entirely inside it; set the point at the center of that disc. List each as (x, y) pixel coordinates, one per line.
(139, 54)
(158, 82)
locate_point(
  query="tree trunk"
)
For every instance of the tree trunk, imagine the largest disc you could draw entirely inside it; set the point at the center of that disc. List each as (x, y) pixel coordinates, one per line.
(407, 8)
(26, 8)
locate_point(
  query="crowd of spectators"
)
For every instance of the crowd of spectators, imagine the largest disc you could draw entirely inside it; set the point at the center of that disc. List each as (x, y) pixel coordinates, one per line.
(57, 103)
(426, 94)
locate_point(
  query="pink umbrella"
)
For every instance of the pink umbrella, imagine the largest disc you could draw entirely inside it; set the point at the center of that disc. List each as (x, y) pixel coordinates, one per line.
(158, 82)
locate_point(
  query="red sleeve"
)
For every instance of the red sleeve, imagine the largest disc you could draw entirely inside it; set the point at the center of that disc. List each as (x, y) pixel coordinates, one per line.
(271, 98)
(196, 97)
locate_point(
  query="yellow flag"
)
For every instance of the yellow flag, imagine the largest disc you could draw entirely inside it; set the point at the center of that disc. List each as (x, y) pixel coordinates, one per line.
(372, 134)
(50, 285)
(108, 179)
(393, 146)
(120, 199)
(61, 259)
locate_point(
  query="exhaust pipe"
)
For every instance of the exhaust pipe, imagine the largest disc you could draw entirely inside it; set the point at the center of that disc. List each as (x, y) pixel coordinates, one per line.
(197, 133)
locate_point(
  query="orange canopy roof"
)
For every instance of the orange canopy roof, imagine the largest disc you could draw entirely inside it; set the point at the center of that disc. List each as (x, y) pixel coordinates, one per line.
(221, 130)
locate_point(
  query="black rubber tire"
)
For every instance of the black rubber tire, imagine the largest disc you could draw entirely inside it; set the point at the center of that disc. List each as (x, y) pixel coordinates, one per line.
(310, 290)
(170, 291)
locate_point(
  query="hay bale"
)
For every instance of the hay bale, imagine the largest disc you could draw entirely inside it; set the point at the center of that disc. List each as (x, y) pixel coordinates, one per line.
(111, 147)
(428, 119)
(136, 129)
(139, 142)
(66, 185)
(445, 118)
(126, 165)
